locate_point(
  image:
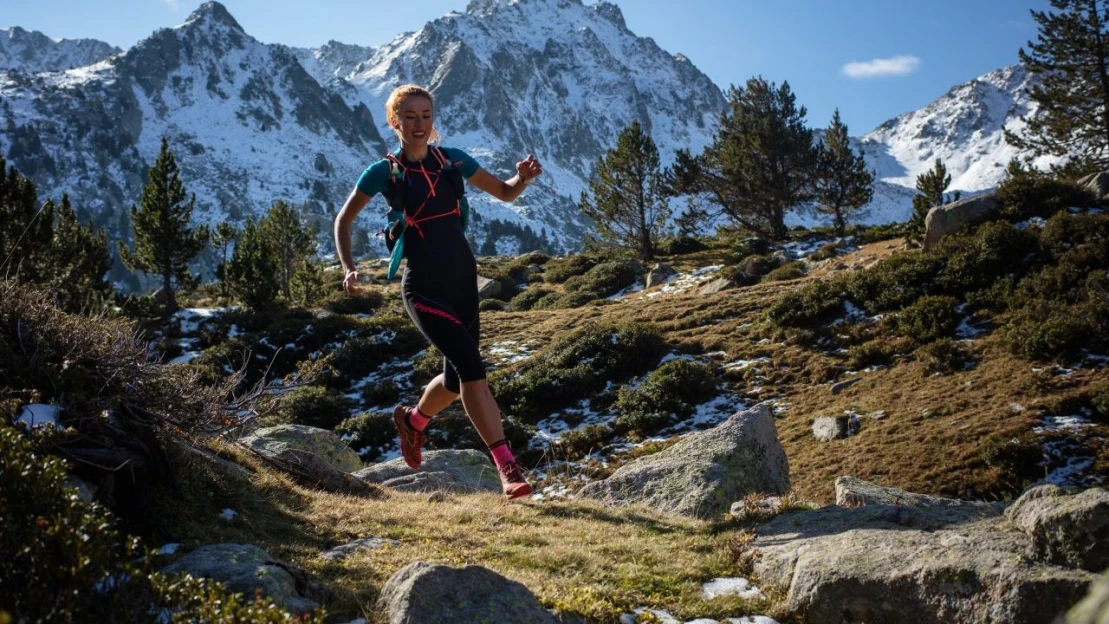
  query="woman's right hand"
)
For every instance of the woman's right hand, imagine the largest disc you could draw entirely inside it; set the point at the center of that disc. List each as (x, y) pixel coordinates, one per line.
(350, 283)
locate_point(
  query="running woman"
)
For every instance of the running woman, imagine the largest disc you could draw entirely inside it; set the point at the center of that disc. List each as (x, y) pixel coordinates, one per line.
(440, 279)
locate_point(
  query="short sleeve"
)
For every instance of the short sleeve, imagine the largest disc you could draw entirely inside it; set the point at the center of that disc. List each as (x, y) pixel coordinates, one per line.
(375, 179)
(462, 160)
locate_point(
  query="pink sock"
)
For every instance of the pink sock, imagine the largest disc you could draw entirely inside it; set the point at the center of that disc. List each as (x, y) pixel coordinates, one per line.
(502, 455)
(417, 420)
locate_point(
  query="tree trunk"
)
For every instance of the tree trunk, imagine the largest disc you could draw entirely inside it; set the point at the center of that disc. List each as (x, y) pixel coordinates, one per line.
(167, 290)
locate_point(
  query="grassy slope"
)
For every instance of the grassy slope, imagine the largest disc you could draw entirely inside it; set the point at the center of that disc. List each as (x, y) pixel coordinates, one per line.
(602, 562)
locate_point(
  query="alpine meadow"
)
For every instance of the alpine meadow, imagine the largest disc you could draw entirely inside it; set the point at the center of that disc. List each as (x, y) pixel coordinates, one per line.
(737, 364)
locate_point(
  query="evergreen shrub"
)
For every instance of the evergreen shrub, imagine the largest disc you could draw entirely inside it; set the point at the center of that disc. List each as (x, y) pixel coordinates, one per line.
(808, 306)
(928, 319)
(668, 395)
(314, 406)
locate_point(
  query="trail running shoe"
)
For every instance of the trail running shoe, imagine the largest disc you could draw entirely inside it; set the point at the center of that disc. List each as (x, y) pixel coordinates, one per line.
(411, 441)
(513, 482)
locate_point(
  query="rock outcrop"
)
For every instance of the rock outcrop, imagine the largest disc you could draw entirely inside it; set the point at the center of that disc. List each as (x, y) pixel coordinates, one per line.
(886, 555)
(462, 472)
(702, 475)
(950, 218)
(271, 441)
(438, 594)
(245, 568)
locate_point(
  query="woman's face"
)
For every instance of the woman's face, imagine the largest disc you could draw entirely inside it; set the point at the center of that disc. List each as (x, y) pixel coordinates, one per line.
(416, 119)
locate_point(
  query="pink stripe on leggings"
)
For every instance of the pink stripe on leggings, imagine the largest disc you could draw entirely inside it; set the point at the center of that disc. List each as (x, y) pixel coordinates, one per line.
(436, 312)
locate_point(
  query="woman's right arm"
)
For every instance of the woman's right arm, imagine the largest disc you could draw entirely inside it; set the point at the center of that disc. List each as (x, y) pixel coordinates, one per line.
(356, 201)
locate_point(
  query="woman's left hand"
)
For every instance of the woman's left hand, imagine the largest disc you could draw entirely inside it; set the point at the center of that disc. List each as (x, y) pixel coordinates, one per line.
(529, 168)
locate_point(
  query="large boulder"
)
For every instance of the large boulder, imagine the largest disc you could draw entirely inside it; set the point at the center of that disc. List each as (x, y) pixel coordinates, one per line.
(424, 593)
(272, 441)
(920, 559)
(950, 218)
(488, 288)
(704, 473)
(1066, 529)
(245, 568)
(1094, 608)
(463, 472)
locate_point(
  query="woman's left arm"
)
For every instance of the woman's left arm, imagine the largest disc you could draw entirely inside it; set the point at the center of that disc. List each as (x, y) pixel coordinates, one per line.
(508, 190)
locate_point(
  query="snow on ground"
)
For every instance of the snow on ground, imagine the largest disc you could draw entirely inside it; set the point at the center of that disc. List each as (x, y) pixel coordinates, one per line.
(39, 415)
(506, 352)
(731, 587)
(228, 514)
(666, 618)
(684, 281)
(1065, 459)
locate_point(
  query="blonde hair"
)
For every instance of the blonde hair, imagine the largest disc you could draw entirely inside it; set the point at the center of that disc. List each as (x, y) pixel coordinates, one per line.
(392, 108)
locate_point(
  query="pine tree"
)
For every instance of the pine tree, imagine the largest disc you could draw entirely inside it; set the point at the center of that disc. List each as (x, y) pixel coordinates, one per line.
(292, 241)
(930, 187)
(222, 238)
(164, 242)
(308, 284)
(844, 184)
(761, 161)
(627, 206)
(26, 227)
(1071, 59)
(251, 269)
(80, 262)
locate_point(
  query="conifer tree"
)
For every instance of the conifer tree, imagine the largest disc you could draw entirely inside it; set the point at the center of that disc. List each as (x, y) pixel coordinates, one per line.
(80, 262)
(251, 271)
(164, 241)
(844, 184)
(625, 200)
(1071, 59)
(761, 161)
(26, 227)
(292, 241)
(307, 284)
(222, 238)
(930, 187)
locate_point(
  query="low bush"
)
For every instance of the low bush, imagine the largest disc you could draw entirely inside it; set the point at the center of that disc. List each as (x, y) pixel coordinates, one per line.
(1017, 459)
(894, 282)
(560, 269)
(575, 366)
(576, 444)
(791, 271)
(604, 280)
(1046, 331)
(668, 395)
(370, 434)
(364, 303)
(678, 245)
(826, 252)
(1036, 195)
(314, 406)
(528, 297)
(492, 305)
(874, 353)
(876, 233)
(928, 319)
(810, 305)
(64, 560)
(942, 356)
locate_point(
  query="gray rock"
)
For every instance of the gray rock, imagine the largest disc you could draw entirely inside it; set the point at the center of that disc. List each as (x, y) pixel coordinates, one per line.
(704, 473)
(878, 415)
(271, 441)
(659, 274)
(488, 288)
(313, 471)
(1096, 183)
(1066, 529)
(85, 491)
(464, 471)
(1094, 608)
(435, 594)
(852, 492)
(763, 506)
(245, 568)
(367, 543)
(715, 286)
(828, 428)
(950, 218)
(933, 565)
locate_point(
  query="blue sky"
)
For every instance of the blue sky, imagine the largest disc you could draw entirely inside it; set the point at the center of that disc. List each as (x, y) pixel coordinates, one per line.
(874, 59)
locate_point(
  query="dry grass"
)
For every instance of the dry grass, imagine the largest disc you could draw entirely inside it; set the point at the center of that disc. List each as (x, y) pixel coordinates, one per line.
(577, 556)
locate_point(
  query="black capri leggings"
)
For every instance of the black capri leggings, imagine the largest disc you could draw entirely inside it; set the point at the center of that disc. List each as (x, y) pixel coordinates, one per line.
(454, 330)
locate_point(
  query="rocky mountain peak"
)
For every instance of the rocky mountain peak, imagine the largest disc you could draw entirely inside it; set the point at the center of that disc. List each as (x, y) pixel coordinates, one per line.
(213, 14)
(32, 51)
(611, 12)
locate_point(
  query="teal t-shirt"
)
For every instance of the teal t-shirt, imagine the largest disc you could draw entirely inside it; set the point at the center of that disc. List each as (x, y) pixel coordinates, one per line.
(375, 179)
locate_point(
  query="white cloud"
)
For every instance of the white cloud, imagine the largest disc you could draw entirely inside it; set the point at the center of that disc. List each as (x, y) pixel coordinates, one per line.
(877, 68)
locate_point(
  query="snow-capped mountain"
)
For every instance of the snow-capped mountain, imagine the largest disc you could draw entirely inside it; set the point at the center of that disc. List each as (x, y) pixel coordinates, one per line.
(247, 124)
(964, 128)
(557, 78)
(33, 52)
(251, 123)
